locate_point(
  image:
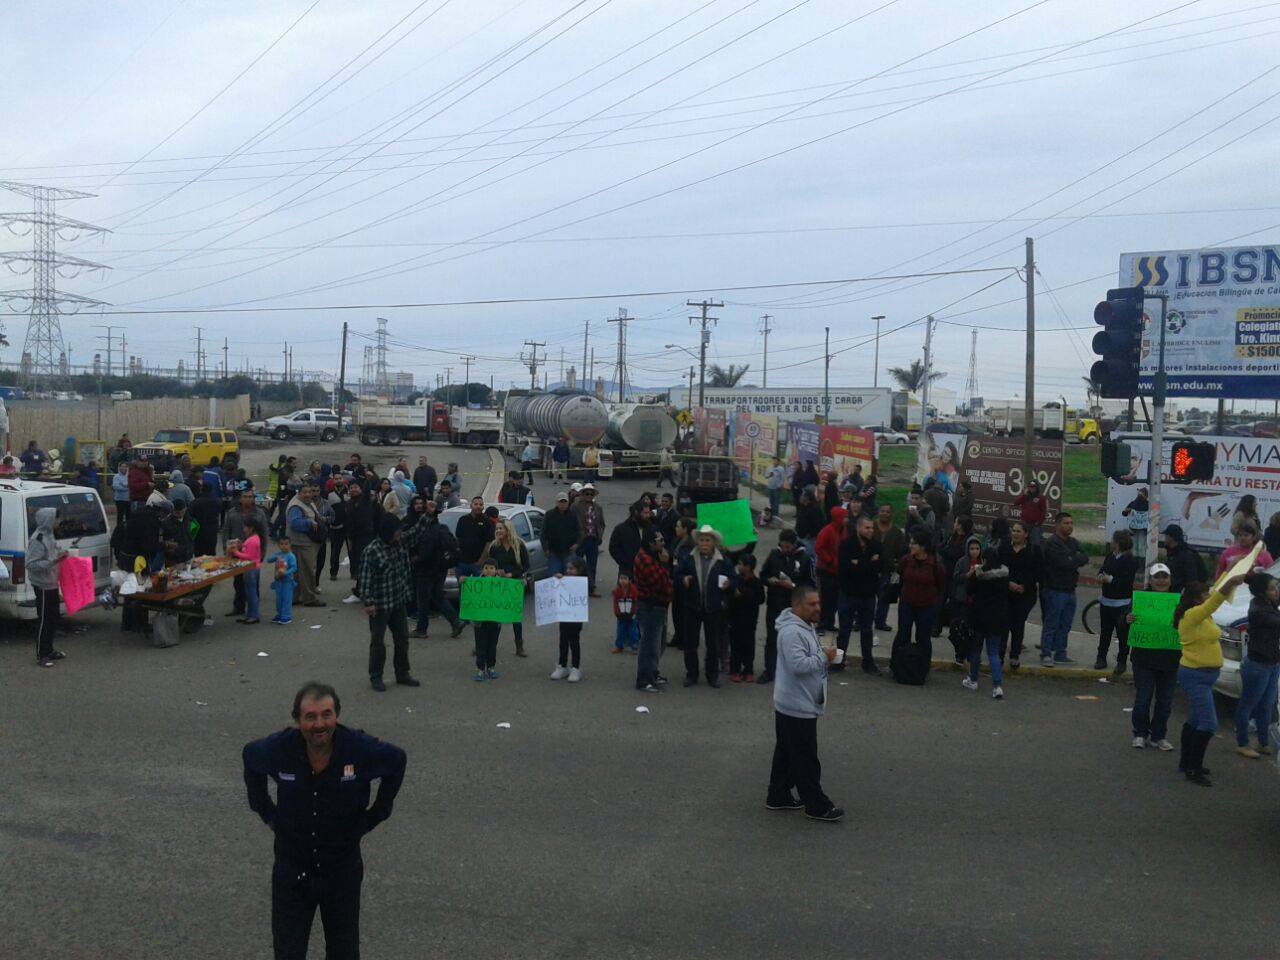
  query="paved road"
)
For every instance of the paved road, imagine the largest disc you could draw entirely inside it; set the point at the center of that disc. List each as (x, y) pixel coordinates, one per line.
(1025, 828)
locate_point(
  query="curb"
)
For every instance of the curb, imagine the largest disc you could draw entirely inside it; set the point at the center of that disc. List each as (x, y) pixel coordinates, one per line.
(1025, 670)
(496, 465)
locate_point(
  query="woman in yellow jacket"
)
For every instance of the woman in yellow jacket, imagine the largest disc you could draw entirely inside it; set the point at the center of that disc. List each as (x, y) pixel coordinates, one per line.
(1198, 671)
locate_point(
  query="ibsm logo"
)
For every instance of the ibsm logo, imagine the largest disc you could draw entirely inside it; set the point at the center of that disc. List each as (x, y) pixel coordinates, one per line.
(1208, 268)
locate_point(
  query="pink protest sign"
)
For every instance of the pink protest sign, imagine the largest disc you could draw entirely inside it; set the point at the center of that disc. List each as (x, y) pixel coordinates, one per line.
(75, 580)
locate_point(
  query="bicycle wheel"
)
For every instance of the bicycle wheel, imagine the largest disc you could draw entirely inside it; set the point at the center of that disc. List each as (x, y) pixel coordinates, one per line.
(1089, 617)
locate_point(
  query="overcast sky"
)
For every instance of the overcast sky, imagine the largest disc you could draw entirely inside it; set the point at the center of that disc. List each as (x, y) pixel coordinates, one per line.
(299, 154)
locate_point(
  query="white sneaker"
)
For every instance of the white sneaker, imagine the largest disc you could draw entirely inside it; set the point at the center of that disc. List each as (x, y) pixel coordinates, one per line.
(351, 599)
(1164, 745)
(997, 693)
(559, 673)
(1139, 743)
(969, 684)
(575, 675)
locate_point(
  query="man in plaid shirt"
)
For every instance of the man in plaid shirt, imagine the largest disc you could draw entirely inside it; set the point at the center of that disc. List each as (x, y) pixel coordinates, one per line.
(384, 587)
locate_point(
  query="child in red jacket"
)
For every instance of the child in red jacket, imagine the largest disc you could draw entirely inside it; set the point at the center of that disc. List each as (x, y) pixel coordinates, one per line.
(627, 635)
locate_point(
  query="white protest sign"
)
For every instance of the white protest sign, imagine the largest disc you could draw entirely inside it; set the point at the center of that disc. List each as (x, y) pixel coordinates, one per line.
(560, 600)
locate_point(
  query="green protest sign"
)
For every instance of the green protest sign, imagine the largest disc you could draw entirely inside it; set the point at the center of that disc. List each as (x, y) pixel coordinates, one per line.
(492, 599)
(731, 519)
(1152, 626)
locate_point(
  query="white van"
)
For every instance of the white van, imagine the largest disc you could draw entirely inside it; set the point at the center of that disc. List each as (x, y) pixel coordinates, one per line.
(81, 519)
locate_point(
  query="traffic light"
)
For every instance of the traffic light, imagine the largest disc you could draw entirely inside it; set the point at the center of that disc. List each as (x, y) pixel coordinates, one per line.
(1119, 343)
(1191, 462)
(1117, 459)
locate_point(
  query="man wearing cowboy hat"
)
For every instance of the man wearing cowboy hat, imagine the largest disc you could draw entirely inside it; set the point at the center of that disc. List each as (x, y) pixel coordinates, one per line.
(586, 508)
(708, 580)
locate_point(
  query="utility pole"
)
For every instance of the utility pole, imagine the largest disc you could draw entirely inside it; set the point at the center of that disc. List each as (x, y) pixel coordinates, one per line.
(466, 383)
(1156, 466)
(875, 370)
(448, 385)
(690, 406)
(562, 366)
(342, 378)
(826, 375)
(586, 328)
(765, 328)
(922, 441)
(199, 352)
(285, 353)
(971, 385)
(532, 362)
(1029, 403)
(620, 369)
(109, 337)
(703, 306)
(226, 369)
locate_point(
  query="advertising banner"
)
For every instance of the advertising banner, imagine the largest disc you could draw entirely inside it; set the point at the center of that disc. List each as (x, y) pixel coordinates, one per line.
(841, 448)
(854, 406)
(1245, 465)
(1222, 329)
(803, 442)
(755, 442)
(710, 432)
(994, 468)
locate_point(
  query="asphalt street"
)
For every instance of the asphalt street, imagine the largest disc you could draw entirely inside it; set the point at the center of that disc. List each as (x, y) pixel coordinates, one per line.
(1023, 828)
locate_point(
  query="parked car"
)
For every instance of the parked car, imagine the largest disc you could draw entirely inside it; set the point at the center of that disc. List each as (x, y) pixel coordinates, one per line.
(201, 444)
(1232, 619)
(317, 423)
(528, 523)
(80, 527)
(884, 435)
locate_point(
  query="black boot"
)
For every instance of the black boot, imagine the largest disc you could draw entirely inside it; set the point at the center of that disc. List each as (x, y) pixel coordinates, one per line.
(1187, 735)
(1197, 773)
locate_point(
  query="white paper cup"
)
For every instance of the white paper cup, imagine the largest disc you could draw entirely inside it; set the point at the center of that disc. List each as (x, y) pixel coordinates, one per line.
(839, 656)
(724, 582)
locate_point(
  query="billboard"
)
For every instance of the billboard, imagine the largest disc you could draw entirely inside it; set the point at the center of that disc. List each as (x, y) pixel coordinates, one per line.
(803, 441)
(851, 406)
(1222, 329)
(994, 468)
(841, 448)
(710, 433)
(1204, 510)
(755, 443)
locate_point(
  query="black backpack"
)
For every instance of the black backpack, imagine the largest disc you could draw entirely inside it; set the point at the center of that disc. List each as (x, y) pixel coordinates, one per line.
(909, 663)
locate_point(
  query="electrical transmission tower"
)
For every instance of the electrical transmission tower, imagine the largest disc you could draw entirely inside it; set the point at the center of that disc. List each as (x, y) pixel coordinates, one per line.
(620, 368)
(383, 377)
(971, 385)
(366, 372)
(44, 354)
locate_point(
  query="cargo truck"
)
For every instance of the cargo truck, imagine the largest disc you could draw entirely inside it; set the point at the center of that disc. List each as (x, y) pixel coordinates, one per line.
(393, 423)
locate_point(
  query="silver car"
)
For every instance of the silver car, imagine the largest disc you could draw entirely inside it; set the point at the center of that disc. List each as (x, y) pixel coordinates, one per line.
(528, 523)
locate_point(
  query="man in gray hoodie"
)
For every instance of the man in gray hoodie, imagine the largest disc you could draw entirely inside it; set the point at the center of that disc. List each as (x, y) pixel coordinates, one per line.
(43, 557)
(799, 699)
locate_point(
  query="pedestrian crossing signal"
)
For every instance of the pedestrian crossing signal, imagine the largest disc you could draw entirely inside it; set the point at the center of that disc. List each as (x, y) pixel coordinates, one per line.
(1191, 462)
(1117, 459)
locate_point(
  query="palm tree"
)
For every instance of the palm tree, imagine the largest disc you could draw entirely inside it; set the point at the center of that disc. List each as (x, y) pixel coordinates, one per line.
(718, 376)
(911, 378)
(1093, 391)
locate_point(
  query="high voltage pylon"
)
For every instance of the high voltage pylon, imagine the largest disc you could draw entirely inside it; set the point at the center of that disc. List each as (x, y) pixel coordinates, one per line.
(620, 368)
(971, 385)
(44, 353)
(383, 377)
(366, 372)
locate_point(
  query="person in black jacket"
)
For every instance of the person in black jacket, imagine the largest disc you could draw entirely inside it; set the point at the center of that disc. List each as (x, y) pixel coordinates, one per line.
(708, 580)
(1184, 563)
(859, 578)
(205, 511)
(559, 535)
(437, 552)
(1118, 572)
(744, 618)
(323, 773)
(424, 478)
(1022, 557)
(361, 526)
(988, 618)
(1261, 668)
(809, 523)
(513, 491)
(786, 567)
(626, 537)
(1155, 677)
(474, 532)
